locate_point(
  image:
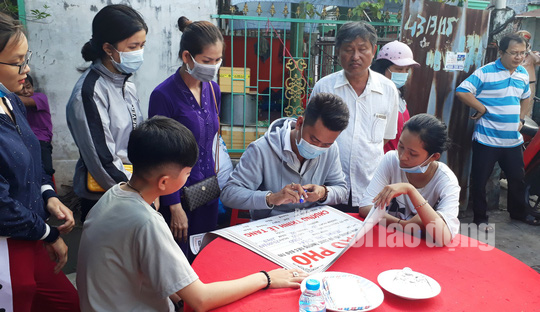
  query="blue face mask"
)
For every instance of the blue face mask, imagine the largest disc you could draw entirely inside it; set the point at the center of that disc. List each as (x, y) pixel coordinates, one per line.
(130, 62)
(3, 90)
(309, 151)
(416, 169)
(399, 79)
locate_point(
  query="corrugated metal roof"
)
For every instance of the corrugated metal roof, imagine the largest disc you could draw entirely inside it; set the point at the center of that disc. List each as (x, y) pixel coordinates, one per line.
(533, 13)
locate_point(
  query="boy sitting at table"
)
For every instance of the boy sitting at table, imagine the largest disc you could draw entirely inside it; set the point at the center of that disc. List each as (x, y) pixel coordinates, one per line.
(295, 165)
(128, 259)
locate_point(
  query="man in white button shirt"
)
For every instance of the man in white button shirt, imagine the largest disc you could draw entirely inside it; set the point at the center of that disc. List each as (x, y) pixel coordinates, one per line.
(373, 106)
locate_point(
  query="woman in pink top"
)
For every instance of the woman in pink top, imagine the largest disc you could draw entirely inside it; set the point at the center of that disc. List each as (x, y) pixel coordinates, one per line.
(394, 61)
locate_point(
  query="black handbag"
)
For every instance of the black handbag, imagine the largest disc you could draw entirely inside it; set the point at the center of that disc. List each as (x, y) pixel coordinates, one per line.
(200, 193)
(207, 190)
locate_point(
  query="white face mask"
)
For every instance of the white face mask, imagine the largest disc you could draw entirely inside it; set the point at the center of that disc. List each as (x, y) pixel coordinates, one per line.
(421, 168)
(309, 151)
(203, 72)
(130, 62)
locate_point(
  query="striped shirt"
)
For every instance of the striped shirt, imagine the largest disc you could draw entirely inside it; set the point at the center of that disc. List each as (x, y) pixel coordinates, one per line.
(500, 92)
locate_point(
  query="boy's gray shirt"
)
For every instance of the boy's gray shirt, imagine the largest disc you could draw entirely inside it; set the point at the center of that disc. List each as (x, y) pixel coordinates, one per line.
(269, 164)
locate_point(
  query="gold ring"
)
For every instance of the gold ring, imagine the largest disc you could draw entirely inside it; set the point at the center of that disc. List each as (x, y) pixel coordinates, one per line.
(295, 274)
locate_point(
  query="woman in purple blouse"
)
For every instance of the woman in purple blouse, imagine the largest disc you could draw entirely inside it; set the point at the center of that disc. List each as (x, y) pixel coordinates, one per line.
(187, 97)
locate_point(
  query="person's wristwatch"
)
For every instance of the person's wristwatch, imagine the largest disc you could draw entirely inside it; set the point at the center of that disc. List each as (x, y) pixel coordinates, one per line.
(522, 121)
(267, 197)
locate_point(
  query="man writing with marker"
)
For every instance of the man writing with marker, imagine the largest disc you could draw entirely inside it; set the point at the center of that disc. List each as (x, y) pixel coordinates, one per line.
(294, 165)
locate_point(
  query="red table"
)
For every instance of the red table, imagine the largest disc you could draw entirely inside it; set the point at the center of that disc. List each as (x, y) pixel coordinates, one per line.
(471, 279)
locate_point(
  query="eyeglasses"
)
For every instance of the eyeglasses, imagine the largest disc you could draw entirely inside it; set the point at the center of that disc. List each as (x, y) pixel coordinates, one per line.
(514, 54)
(23, 65)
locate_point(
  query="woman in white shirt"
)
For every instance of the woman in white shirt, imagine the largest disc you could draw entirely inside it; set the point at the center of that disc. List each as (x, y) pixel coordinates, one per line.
(414, 186)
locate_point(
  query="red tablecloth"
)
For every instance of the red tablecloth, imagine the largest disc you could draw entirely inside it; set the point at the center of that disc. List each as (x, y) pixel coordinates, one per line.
(471, 279)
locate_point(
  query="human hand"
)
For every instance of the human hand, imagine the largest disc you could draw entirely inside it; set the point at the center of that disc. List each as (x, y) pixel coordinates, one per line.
(282, 278)
(520, 126)
(179, 222)
(383, 199)
(58, 253)
(477, 115)
(61, 212)
(314, 192)
(290, 194)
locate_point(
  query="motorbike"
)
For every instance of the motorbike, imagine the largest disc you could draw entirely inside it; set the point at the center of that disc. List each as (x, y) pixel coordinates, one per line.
(531, 159)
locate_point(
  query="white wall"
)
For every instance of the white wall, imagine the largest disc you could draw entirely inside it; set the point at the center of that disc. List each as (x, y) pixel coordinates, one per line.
(56, 43)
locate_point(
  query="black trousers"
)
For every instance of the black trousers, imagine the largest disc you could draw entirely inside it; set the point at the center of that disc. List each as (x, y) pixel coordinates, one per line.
(511, 162)
(86, 205)
(348, 208)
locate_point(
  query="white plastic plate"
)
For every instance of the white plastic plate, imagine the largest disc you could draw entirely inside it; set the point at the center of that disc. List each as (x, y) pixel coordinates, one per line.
(409, 284)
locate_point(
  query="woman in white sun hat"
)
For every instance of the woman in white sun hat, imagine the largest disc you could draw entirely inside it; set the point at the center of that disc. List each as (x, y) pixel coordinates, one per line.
(394, 61)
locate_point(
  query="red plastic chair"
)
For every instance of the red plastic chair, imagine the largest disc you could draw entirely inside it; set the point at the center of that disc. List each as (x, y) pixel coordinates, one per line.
(235, 219)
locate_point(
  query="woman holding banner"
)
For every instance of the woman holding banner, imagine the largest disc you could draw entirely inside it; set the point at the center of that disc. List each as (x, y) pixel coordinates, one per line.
(413, 186)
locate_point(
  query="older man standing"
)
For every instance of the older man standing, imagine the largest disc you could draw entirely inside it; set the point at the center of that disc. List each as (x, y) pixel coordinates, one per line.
(373, 106)
(499, 93)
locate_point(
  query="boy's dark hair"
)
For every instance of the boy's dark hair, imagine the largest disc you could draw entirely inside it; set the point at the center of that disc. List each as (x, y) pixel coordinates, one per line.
(9, 28)
(197, 35)
(333, 112)
(112, 24)
(432, 132)
(352, 30)
(160, 141)
(505, 41)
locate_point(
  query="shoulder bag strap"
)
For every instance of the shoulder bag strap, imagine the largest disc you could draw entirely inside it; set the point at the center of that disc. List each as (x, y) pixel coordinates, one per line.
(216, 157)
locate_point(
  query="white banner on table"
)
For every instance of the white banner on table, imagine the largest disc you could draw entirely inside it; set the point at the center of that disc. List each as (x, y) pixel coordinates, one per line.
(195, 242)
(310, 240)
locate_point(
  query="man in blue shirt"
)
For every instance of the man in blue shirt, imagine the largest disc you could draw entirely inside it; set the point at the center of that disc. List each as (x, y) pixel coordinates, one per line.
(499, 93)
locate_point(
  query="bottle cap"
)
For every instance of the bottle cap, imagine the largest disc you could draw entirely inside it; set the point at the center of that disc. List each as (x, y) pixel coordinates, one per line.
(312, 284)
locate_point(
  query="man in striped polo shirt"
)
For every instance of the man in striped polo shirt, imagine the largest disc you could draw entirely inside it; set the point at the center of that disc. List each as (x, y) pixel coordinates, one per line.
(499, 93)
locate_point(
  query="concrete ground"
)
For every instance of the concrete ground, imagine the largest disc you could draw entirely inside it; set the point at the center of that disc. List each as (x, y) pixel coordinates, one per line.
(513, 237)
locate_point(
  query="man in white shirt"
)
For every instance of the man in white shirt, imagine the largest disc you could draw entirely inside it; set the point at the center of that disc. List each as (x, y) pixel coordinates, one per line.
(373, 106)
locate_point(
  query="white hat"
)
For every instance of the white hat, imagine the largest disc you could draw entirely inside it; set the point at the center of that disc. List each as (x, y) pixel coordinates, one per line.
(398, 53)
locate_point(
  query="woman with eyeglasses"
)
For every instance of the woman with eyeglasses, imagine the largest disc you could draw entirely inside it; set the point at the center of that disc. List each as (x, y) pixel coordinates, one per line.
(104, 106)
(188, 97)
(32, 253)
(395, 61)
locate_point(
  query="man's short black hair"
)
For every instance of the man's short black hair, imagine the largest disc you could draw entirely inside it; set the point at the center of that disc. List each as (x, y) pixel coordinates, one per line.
(505, 41)
(333, 112)
(352, 30)
(161, 141)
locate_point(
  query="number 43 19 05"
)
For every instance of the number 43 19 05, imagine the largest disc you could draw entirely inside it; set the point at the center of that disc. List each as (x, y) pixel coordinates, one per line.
(430, 26)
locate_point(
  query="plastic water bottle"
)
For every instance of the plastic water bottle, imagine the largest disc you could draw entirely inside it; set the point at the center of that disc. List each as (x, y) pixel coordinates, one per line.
(311, 299)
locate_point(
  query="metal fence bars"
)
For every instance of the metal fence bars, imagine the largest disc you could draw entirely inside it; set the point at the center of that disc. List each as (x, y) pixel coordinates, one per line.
(269, 67)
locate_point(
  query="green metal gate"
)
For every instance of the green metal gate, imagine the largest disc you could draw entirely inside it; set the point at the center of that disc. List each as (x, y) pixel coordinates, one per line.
(271, 64)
